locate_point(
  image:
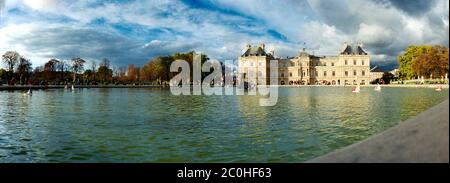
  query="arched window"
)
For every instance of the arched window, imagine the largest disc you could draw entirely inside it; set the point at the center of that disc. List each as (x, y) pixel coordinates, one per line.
(346, 63)
(324, 73)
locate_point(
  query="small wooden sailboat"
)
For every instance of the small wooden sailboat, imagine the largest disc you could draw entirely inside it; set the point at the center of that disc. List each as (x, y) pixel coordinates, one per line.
(29, 92)
(439, 88)
(357, 89)
(378, 87)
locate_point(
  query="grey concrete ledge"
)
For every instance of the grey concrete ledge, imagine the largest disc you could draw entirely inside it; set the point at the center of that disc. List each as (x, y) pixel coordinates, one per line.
(420, 139)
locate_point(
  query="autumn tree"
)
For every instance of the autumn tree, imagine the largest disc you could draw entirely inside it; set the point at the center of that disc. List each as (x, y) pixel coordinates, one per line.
(77, 66)
(433, 62)
(104, 72)
(93, 69)
(158, 69)
(10, 58)
(50, 68)
(23, 69)
(63, 67)
(132, 73)
(119, 73)
(405, 60)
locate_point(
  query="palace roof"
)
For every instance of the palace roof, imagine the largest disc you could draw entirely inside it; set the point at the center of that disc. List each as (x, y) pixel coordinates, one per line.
(353, 50)
(255, 51)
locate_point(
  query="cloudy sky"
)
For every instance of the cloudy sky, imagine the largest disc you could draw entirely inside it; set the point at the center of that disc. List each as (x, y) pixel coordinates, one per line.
(135, 31)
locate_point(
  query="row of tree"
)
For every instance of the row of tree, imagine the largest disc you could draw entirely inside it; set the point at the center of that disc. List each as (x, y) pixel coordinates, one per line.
(54, 71)
(427, 61)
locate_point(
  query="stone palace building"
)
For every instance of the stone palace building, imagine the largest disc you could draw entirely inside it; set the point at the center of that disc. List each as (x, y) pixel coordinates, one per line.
(350, 67)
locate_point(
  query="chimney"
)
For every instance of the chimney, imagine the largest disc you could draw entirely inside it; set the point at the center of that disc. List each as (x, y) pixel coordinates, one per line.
(248, 46)
(263, 46)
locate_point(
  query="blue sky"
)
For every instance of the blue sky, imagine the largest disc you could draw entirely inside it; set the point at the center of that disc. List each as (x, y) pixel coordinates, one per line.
(135, 31)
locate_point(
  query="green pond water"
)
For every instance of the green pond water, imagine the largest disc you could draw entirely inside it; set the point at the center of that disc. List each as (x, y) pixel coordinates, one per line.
(152, 125)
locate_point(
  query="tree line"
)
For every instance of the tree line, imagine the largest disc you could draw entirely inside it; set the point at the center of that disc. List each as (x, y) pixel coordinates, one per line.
(60, 72)
(423, 60)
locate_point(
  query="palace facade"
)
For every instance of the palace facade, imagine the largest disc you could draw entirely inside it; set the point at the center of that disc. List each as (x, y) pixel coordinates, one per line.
(350, 67)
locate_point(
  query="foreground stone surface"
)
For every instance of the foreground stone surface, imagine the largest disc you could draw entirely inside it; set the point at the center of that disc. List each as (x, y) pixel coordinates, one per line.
(421, 139)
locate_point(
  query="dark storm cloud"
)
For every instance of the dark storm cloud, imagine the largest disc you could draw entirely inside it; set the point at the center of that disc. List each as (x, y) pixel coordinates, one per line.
(135, 31)
(386, 27)
(336, 13)
(90, 44)
(411, 7)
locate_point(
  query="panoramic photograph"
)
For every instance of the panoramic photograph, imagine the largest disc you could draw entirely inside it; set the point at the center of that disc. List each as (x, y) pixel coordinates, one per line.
(227, 81)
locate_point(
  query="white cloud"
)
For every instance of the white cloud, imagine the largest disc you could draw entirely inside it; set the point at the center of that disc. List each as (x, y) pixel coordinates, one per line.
(386, 28)
(322, 38)
(44, 5)
(375, 34)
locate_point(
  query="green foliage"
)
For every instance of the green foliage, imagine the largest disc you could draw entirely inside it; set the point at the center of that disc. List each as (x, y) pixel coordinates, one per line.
(423, 60)
(3, 74)
(158, 69)
(388, 77)
(104, 73)
(405, 60)
(59, 71)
